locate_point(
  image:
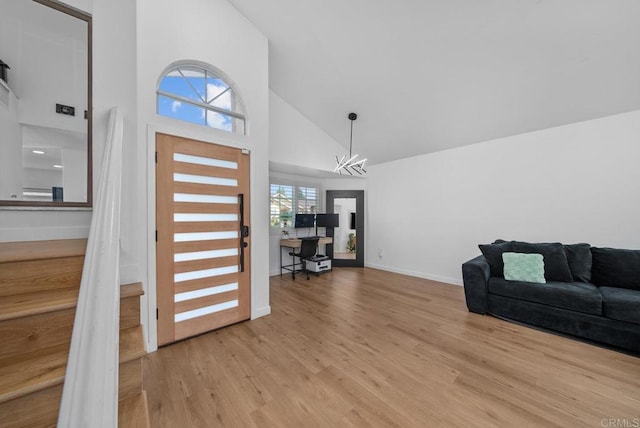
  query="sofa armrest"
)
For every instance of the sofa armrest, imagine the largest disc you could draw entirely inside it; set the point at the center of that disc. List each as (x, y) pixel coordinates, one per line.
(475, 274)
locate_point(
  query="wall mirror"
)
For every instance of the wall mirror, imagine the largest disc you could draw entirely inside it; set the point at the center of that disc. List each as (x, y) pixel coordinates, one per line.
(348, 239)
(344, 236)
(45, 105)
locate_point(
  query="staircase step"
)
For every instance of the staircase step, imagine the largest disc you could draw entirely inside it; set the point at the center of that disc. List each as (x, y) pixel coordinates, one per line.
(29, 334)
(31, 276)
(39, 409)
(38, 250)
(39, 284)
(131, 344)
(131, 290)
(133, 412)
(33, 321)
(28, 373)
(22, 305)
(25, 373)
(130, 379)
(36, 266)
(130, 305)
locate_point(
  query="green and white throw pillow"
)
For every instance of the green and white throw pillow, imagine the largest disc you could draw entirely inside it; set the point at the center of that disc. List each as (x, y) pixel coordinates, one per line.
(523, 267)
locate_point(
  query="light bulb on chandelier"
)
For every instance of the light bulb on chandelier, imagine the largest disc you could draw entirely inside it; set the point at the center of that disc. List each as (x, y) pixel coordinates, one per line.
(351, 164)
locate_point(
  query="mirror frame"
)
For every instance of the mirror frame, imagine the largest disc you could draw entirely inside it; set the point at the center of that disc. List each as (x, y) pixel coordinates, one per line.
(358, 195)
(53, 4)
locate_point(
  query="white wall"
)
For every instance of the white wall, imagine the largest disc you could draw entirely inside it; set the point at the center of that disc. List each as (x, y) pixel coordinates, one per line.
(573, 183)
(215, 33)
(42, 178)
(114, 85)
(295, 140)
(62, 147)
(47, 53)
(345, 183)
(11, 143)
(74, 175)
(83, 5)
(62, 60)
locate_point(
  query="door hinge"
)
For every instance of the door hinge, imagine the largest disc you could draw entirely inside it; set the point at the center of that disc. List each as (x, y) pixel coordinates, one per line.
(156, 157)
(157, 313)
(156, 236)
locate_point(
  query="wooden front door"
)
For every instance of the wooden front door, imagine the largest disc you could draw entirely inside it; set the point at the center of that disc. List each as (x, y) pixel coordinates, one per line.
(202, 250)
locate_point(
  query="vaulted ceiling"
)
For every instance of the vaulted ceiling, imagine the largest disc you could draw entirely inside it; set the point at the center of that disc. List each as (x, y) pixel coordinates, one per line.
(428, 75)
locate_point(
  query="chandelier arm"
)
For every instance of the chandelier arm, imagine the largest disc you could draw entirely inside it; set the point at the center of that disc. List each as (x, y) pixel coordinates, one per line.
(340, 163)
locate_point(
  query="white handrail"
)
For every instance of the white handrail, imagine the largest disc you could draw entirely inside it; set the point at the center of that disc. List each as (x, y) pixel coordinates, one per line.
(90, 393)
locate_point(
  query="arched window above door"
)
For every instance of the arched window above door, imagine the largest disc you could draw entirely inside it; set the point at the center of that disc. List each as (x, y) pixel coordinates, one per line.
(200, 94)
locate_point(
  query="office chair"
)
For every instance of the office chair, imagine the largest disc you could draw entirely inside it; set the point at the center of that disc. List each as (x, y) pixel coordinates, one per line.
(307, 250)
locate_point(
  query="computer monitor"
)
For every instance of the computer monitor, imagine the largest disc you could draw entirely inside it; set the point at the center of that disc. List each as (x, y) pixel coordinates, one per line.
(304, 220)
(327, 220)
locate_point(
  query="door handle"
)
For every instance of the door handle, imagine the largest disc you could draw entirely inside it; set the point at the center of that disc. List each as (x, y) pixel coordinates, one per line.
(244, 231)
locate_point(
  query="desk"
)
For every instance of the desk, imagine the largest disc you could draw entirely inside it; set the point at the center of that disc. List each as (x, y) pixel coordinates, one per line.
(295, 243)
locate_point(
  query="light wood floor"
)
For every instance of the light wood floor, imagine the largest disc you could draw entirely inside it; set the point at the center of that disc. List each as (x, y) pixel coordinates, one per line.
(363, 347)
(344, 256)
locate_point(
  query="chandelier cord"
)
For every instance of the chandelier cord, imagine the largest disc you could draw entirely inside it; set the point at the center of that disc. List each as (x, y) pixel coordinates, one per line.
(349, 164)
(351, 139)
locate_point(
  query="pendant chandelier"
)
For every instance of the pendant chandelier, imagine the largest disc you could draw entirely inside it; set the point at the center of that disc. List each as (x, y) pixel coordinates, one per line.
(350, 164)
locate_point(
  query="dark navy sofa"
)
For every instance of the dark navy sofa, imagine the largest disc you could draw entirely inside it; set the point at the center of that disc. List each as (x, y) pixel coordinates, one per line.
(591, 293)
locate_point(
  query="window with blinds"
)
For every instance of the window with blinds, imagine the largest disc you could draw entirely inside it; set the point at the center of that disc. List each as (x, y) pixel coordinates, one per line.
(286, 201)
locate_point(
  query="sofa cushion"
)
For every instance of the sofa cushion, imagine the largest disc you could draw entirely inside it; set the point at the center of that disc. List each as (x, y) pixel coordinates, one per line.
(613, 267)
(579, 258)
(523, 267)
(556, 266)
(621, 304)
(576, 296)
(493, 254)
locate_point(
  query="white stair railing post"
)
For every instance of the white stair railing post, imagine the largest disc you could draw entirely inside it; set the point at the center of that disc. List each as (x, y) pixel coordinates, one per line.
(90, 393)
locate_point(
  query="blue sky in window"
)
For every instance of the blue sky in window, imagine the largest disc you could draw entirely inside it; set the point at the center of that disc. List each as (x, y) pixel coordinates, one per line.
(194, 86)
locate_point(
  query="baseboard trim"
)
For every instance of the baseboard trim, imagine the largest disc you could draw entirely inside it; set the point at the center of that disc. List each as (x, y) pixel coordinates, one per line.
(260, 312)
(444, 279)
